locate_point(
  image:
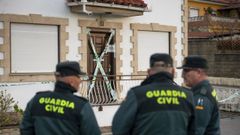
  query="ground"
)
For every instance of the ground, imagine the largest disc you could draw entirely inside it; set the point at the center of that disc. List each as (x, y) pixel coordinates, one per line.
(230, 125)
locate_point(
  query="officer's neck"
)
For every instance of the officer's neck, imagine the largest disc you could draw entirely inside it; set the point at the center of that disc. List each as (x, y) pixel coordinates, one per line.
(64, 87)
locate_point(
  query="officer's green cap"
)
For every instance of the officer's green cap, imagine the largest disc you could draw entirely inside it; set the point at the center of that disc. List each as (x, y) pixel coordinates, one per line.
(194, 61)
(68, 68)
(161, 57)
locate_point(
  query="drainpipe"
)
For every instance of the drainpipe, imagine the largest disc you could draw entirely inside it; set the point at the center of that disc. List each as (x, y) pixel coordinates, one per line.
(84, 7)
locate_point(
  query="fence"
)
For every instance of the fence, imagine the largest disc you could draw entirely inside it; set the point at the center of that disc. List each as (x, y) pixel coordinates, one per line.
(196, 18)
(107, 92)
(213, 18)
(228, 90)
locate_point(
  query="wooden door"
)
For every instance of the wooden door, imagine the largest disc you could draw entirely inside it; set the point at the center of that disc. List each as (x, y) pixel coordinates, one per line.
(100, 94)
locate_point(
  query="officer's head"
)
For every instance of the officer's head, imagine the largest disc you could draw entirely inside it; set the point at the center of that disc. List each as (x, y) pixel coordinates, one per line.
(69, 72)
(161, 62)
(194, 70)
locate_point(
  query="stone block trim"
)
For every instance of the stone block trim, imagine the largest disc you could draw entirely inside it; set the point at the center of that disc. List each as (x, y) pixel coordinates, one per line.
(233, 82)
(151, 27)
(29, 19)
(1, 44)
(185, 27)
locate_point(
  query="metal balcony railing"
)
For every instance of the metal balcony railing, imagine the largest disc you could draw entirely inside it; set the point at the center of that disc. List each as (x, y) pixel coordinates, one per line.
(224, 19)
(108, 92)
(213, 18)
(196, 18)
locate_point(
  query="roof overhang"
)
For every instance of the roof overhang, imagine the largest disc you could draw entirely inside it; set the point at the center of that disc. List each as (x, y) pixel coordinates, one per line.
(105, 8)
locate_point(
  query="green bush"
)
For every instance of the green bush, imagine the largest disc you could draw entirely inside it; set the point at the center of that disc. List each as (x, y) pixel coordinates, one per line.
(10, 113)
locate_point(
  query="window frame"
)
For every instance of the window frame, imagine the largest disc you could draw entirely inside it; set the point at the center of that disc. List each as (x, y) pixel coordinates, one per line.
(37, 19)
(152, 27)
(194, 8)
(58, 50)
(147, 64)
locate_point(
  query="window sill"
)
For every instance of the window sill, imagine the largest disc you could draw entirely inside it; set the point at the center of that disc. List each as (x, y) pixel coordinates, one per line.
(30, 74)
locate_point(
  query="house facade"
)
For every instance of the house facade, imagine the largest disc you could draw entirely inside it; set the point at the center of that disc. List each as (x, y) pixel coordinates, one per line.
(110, 40)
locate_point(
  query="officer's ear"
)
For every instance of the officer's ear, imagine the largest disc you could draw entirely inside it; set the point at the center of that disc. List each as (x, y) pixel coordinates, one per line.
(150, 71)
(173, 72)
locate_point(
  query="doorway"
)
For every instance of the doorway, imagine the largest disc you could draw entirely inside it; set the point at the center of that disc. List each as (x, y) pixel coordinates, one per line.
(101, 65)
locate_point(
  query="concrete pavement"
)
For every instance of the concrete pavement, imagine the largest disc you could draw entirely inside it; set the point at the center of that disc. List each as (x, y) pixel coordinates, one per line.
(230, 126)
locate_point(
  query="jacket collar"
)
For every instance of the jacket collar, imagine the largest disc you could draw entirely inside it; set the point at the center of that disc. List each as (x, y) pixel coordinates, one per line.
(64, 87)
(158, 77)
(198, 87)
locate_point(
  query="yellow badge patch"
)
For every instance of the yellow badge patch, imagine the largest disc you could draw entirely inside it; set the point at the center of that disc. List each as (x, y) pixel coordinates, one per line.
(199, 107)
(214, 94)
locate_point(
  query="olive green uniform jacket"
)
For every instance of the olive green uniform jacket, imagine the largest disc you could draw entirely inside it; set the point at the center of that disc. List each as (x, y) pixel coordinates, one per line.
(207, 111)
(157, 107)
(59, 113)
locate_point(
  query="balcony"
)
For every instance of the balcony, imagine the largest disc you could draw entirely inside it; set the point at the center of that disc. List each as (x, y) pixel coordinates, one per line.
(213, 18)
(212, 26)
(110, 92)
(122, 8)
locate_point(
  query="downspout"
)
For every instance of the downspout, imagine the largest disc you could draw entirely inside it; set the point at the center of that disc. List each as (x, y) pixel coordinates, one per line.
(84, 7)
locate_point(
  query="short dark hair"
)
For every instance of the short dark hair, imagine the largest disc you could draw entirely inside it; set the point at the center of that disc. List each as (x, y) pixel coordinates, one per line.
(165, 58)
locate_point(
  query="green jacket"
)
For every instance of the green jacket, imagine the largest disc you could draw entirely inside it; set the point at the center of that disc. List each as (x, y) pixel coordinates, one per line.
(157, 107)
(207, 112)
(59, 113)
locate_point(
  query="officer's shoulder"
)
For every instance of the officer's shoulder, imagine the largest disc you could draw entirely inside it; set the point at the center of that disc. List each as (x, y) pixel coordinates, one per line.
(207, 92)
(185, 89)
(137, 89)
(81, 98)
(43, 92)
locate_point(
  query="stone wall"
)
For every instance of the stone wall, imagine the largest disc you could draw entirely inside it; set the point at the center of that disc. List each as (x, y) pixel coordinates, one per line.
(221, 63)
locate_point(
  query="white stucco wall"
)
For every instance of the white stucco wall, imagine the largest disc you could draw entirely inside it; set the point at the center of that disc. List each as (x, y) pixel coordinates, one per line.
(164, 12)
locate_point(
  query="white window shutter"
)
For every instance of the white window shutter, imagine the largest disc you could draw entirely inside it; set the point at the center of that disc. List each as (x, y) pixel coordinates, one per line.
(149, 43)
(34, 48)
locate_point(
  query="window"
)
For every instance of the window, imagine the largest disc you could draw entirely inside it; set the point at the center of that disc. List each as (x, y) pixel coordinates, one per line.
(156, 42)
(193, 12)
(34, 48)
(148, 39)
(31, 46)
